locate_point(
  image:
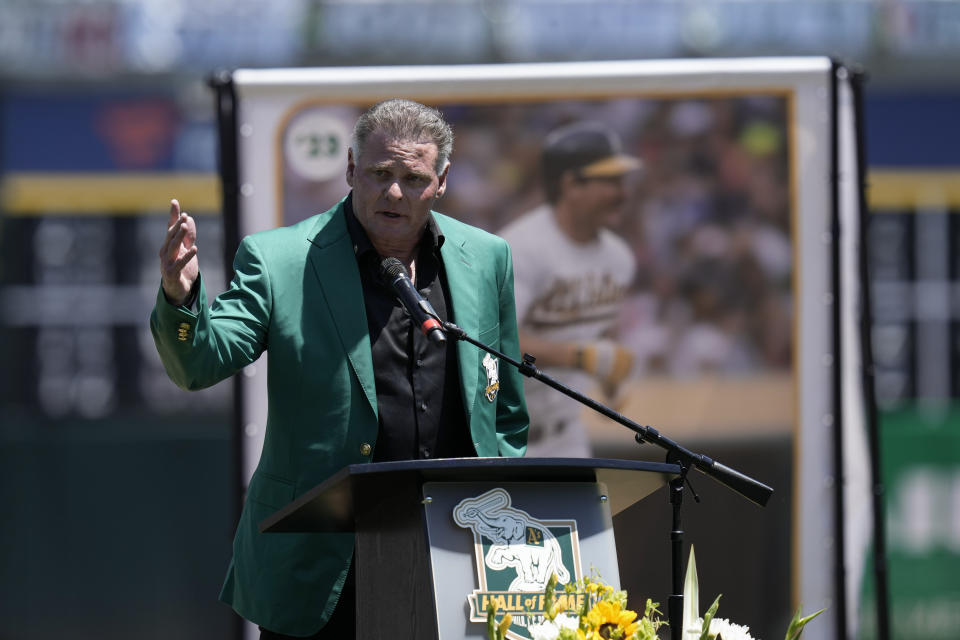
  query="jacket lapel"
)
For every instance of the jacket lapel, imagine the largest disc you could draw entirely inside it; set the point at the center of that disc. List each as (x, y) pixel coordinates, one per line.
(464, 286)
(338, 278)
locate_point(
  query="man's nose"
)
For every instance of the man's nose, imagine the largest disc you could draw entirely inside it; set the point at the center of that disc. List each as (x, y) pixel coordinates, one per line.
(619, 188)
(394, 192)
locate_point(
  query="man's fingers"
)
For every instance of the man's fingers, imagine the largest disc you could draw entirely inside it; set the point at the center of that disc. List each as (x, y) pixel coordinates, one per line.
(174, 211)
(171, 230)
(171, 245)
(177, 251)
(190, 237)
(170, 272)
(182, 261)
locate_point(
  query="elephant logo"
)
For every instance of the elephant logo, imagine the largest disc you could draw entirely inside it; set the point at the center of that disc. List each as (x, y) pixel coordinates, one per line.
(515, 555)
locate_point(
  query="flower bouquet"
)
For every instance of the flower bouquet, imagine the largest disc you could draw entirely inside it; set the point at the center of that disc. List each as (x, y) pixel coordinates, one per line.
(709, 627)
(604, 615)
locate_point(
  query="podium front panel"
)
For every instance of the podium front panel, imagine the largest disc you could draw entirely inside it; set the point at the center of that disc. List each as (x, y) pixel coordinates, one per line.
(503, 540)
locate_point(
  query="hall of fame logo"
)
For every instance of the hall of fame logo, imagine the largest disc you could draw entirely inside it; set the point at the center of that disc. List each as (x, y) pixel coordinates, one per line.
(515, 556)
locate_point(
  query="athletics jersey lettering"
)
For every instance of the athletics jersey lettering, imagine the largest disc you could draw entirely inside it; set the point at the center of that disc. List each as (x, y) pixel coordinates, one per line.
(587, 298)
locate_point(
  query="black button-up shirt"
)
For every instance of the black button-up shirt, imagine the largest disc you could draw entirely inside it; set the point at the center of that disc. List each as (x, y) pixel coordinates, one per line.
(419, 400)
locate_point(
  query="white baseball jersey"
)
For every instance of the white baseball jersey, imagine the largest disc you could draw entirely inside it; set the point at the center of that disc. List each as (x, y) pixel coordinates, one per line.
(567, 292)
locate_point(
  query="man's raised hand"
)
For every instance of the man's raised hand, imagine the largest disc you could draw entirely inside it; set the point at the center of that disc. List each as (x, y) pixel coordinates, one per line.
(179, 268)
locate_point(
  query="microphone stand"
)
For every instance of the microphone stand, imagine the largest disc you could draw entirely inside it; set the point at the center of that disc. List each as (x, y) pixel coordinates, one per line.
(749, 488)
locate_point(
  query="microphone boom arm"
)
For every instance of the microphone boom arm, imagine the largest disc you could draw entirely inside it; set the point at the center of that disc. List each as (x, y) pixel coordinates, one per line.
(749, 488)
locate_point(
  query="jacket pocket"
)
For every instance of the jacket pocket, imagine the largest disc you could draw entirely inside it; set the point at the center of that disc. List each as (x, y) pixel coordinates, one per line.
(490, 336)
(271, 491)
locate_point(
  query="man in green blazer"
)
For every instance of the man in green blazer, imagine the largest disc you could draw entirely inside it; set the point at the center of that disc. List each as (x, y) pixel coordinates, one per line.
(350, 380)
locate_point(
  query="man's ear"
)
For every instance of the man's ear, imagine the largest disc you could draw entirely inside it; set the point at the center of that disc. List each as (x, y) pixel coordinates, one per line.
(351, 167)
(442, 188)
(568, 180)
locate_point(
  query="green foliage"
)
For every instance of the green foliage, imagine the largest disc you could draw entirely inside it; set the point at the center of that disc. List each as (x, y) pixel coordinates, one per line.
(798, 623)
(650, 623)
(548, 597)
(492, 619)
(497, 631)
(691, 595)
(708, 617)
(691, 608)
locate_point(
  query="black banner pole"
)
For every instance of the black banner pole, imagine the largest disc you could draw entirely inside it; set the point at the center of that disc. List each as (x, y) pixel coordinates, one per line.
(229, 168)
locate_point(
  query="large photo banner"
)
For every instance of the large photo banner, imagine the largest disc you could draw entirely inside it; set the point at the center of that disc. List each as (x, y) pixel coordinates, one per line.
(688, 262)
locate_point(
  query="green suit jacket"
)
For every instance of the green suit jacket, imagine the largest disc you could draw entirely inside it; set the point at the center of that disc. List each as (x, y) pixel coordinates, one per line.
(297, 292)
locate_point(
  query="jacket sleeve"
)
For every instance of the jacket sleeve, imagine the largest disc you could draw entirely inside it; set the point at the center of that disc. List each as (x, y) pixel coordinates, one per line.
(199, 349)
(512, 419)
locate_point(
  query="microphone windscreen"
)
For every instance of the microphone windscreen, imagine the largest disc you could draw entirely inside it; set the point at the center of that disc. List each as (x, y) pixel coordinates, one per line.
(390, 268)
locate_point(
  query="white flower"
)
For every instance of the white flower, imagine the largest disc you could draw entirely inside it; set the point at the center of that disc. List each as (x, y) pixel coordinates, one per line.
(693, 629)
(721, 627)
(566, 621)
(546, 630)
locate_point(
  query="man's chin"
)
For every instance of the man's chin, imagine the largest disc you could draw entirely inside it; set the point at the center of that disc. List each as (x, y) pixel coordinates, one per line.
(611, 221)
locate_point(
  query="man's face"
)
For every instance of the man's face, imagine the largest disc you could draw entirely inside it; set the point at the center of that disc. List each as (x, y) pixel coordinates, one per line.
(596, 202)
(395, 184)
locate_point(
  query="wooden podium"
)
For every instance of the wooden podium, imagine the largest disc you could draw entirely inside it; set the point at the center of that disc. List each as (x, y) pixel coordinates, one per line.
(429, 532)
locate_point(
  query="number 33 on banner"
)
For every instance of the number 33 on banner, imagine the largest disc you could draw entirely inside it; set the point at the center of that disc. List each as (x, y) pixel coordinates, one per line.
(316, 146)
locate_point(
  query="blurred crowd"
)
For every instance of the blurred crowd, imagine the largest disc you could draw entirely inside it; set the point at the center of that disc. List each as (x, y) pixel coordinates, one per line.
(713, 238)
(708, 218)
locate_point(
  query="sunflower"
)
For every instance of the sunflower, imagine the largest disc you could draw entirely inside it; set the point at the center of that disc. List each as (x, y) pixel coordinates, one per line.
(608, 621)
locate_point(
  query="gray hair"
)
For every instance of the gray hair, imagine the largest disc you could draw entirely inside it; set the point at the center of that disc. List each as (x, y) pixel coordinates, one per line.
(405, 120)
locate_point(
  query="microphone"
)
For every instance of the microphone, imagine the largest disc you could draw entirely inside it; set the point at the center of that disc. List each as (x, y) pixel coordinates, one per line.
(394, 274)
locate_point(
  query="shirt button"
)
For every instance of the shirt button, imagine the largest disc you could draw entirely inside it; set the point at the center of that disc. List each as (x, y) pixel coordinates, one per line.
(365, 449)
(423, 406)
(419, 362)
(424, 452)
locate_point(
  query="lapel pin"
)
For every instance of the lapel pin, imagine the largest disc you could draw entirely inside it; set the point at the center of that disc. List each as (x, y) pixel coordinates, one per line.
(492, 367)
